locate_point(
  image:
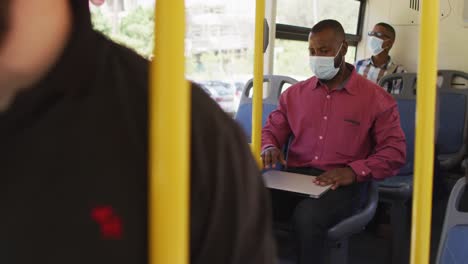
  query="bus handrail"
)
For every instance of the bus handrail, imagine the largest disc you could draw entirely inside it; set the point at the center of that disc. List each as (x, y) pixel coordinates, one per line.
(169, 129)
(425, 120)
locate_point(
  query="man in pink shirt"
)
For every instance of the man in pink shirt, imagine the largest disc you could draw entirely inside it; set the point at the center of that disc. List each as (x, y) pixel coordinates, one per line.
(343, 128)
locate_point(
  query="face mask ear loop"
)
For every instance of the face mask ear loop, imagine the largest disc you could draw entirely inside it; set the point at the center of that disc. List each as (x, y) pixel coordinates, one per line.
(339, 49)
(384, 48)
(339, 66)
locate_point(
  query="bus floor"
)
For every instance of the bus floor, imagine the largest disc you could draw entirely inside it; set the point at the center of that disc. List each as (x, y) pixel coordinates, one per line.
(373, 245)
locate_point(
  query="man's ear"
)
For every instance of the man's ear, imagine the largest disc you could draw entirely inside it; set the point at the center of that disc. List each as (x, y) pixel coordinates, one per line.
(344, 49)
(390, 44)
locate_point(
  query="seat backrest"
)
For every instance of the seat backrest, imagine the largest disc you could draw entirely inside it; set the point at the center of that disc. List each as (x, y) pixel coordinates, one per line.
(453, 118)
(408, 82)
(451, 114)
(360, 219)
(448, 79)
(270, 101)
(454, 238)
(244, 117)
(407, 110)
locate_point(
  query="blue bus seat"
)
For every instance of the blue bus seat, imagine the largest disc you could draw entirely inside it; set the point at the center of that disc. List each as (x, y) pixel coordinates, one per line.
(448, 79)
(244, 117)
(454, 238)
(408, 82)
(270, 101)
(397, 190)
(452, 123)
(453, 119)
(338, 236)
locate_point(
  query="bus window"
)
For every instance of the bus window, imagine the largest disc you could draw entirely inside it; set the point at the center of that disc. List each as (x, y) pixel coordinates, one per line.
(305, 13)
(291, 59)
(266, 90)
(130, 23)
(293, 22)
(285, 86)
(351, 54)
(219, 47)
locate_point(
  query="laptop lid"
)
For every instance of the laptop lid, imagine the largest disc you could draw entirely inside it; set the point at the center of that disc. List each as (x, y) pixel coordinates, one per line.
(293, 182)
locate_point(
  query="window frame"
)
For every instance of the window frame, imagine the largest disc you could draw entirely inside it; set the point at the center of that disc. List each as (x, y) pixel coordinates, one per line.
(293, 32)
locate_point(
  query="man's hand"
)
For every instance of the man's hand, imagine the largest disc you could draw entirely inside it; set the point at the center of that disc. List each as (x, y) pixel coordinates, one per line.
(337, 177)
(271, 156)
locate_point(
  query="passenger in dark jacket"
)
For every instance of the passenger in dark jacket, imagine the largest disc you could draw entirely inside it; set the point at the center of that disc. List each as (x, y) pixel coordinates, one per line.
(73, 155)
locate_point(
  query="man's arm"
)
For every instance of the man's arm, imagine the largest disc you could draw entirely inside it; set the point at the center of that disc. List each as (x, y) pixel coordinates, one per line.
(390, 148)
(274, 135)
(276, 130)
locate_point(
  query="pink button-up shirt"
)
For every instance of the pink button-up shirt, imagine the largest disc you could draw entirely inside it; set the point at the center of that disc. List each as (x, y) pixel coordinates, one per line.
(356, 125)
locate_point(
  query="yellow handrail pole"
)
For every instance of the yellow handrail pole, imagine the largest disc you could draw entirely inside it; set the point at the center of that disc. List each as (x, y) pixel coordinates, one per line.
(258, 82)
(425, 119)
(169, 139)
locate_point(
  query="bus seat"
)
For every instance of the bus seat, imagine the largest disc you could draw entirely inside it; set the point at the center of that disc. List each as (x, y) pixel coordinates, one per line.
(453, 128)
(451, 110)
(407, 110)
(244, 117)
(454, 238)
(338, 236)
(449, 79)
(446, 79)
(408, 82)
(270, 101)
(397, 190)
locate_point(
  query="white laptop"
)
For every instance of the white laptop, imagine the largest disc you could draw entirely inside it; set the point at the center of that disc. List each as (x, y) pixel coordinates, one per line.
(293, 182)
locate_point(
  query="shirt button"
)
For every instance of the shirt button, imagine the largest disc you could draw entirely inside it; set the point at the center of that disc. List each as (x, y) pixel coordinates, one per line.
(320, 137)
(363, 172)
(325, 117)
(316, 157)
(328, 96)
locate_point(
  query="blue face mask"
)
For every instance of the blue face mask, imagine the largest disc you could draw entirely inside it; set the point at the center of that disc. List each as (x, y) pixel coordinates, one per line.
(324, 66)
(375, 45)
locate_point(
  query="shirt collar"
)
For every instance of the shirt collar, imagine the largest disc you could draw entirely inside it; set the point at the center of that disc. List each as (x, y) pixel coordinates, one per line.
(349, 84)
(385, 66)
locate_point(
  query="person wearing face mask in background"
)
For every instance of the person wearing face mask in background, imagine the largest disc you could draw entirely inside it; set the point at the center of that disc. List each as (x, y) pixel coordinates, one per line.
(344, 128)
(379, 42)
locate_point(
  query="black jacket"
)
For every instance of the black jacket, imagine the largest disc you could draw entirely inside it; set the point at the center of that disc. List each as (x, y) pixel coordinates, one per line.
(73, 166)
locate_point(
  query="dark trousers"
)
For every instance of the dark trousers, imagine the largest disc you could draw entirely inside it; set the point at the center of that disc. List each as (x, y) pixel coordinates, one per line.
(311, 218)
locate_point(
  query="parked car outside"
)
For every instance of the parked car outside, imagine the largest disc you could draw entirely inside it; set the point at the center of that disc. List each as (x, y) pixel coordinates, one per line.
(221, 93)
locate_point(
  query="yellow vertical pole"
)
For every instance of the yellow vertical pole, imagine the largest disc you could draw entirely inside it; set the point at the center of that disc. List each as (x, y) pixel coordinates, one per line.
(169, 139)
(258, 81)
(424, 152)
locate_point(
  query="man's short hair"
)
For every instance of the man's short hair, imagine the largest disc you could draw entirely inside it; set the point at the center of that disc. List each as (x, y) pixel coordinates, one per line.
(329, 24)
(388, 27)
